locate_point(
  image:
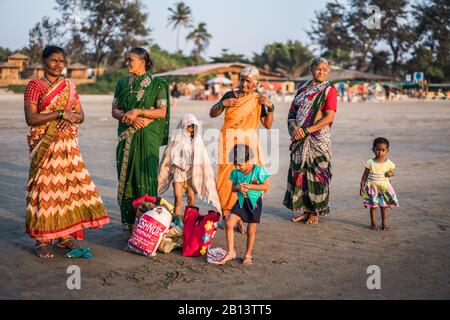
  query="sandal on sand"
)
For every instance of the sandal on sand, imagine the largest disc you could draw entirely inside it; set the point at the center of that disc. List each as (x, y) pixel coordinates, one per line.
(43, 252)
(248, 260)
(228, 257)
(67, 244)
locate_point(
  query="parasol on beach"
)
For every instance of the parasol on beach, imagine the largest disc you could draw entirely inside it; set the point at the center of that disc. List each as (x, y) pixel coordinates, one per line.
(219, 80)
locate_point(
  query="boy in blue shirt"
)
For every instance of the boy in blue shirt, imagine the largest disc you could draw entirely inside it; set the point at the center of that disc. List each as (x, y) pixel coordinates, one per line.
(249, 181)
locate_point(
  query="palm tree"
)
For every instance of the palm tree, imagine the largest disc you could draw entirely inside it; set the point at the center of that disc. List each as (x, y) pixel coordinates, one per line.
(180, 16)
(200, 37)
(291, 59)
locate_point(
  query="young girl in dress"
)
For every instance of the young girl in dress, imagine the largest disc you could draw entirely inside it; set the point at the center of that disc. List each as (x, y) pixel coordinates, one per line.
(376, 188)
(186, 163)
(249, 181)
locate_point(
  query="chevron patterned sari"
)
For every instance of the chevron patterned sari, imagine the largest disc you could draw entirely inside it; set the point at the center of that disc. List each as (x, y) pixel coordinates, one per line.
(62, 200)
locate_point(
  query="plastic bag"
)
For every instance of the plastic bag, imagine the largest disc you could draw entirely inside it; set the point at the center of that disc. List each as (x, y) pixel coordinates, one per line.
(148, 231)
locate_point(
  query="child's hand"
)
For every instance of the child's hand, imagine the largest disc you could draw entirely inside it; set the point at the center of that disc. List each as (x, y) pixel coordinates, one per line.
(242, 188)
(361, 191)
(389, 174)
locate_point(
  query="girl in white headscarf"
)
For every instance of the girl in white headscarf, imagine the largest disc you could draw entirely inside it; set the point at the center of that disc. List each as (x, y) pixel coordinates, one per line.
(186, 163)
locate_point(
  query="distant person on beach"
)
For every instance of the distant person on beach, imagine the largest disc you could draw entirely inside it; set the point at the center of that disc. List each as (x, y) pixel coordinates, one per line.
(244, 110)
(62, 200)
(249, 182)
(309, 120)
(175, 93)
(141, 106)
(376, 188)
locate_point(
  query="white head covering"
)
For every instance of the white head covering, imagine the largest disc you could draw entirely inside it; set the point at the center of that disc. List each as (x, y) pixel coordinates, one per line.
(183, 151)
(251, 72)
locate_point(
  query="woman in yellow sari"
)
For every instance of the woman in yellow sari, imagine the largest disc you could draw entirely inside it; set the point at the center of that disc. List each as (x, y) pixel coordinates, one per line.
(244, 110)
(62, 200)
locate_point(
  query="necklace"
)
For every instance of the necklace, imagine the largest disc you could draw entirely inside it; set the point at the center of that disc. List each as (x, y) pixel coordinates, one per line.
(144, 84)
(49, 82)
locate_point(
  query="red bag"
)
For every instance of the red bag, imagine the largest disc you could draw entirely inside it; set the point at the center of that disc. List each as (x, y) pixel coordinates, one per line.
(199, 231)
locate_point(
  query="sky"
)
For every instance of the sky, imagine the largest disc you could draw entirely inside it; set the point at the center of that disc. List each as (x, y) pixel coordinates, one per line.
(242, 26)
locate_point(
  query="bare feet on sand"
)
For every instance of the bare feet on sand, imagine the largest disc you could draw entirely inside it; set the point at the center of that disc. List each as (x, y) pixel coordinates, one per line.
(313, 219)
(302, 217)
(43, 251)
(248, 260)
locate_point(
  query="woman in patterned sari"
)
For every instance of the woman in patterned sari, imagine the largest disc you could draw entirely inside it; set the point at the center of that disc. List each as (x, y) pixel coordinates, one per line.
(141, 105)
(62, 200)
(309, 120)
(244, 110)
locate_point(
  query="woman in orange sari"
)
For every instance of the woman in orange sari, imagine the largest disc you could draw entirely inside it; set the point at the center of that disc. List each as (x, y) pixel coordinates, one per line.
(62, 200)
(244, 110)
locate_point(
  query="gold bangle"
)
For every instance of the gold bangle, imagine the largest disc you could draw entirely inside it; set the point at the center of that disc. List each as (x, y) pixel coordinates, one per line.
(141, 113)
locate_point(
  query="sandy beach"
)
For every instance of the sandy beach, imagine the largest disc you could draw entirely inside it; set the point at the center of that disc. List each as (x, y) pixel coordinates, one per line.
(291, 260)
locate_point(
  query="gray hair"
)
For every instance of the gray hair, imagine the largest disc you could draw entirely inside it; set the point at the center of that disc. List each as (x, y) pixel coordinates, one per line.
(251, 72)
(316, 61)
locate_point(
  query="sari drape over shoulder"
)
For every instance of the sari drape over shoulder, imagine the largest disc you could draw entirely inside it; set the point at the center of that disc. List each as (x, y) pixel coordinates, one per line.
(137, 152)
(62, 200)
(309, 173)
(240, 127)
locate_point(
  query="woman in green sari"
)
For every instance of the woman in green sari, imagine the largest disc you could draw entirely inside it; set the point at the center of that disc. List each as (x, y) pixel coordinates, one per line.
(141, 104)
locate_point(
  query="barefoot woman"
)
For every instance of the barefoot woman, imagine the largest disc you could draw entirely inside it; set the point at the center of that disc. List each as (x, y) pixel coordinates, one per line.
(62, 200)
(311, 114)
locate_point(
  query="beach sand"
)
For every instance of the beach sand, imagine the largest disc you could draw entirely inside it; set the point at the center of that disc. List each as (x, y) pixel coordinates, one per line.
(291, 260)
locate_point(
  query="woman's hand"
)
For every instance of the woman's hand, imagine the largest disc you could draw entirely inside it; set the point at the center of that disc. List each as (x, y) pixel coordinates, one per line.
(298, 134)
(63, 124)
(139, 122)
(71, 116)
(230, 102)
(129, 117)
(265, 101)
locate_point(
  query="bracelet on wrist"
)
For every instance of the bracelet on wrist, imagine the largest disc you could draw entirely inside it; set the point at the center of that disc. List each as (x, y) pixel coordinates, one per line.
(60, 114)
(271, 108)
(306, 131)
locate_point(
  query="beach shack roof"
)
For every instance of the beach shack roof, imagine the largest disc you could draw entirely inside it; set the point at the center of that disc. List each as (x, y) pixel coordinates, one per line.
(350, 75)
(19, 56)
(212, 68)
(35, 66)
(9, 65)
(77, 66)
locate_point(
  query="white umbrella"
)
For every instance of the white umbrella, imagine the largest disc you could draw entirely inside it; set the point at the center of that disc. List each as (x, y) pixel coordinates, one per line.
(220, 80)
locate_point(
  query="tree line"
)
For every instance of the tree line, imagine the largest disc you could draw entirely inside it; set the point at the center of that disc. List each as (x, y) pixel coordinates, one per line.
(411, 37)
